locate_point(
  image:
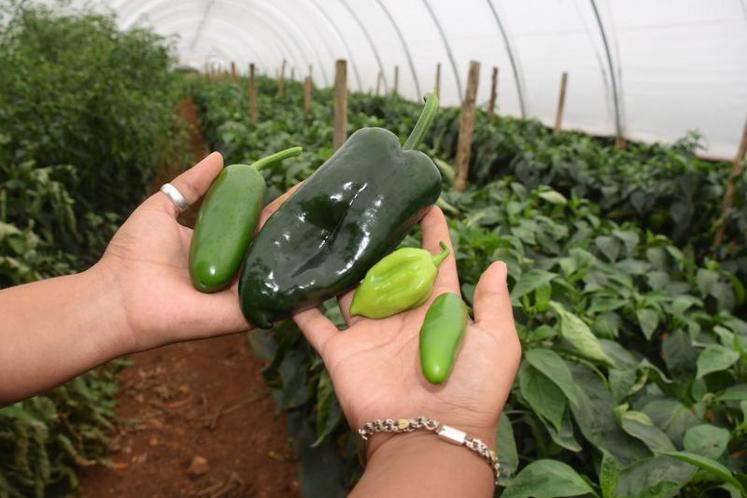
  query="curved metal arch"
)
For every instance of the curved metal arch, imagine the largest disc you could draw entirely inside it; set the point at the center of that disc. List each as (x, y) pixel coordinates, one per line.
(611, 67)
(404, 45)
(345, 43)
(518, 77)
(235, 32)
(448, 48)
(284, 49)
(370, 42)
(270, 12)
(308, 42)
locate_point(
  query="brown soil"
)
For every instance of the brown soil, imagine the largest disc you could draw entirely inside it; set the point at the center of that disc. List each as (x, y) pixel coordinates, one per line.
(196, 418)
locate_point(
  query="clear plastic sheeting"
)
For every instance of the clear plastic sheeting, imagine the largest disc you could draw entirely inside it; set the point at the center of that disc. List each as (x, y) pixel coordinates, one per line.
(643, 70)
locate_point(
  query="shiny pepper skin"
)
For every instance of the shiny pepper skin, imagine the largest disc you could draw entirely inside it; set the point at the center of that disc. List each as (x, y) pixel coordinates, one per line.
(402, 280)
(441, 336)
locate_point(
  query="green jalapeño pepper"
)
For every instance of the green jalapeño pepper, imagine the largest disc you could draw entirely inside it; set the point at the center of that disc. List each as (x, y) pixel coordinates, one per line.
(352, 211)
(226, 222)
(401, 281)
(441, 336)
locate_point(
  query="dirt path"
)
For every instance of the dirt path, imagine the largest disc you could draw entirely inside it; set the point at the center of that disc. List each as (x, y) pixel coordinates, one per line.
(197, 419)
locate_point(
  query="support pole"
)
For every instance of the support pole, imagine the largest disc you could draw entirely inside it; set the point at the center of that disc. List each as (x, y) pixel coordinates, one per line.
(561, 103)
(281, 80)
(736, 171)
(378, 82)
(395, 89)
(341, 103)
(234, 77)
(252, 94)
(437, 86)
(466, 127)
(306, 97)
(493, 94)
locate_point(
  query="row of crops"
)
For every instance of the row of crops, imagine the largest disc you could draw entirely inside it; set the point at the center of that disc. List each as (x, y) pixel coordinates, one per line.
(86, 115)
(633, 377)
(633, 382)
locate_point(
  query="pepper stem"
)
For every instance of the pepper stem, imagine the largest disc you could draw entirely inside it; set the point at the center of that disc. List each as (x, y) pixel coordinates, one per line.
(438, 258)
(276, 157)
(424, 122)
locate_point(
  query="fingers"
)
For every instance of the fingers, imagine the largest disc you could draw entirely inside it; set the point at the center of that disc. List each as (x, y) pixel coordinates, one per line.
(491, 302)
(316, 327)
(274, 205)
(435, 230)
(192, 184)
(344, 303)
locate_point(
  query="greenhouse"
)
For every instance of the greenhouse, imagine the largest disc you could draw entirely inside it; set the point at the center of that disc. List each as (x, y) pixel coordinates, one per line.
(309, 248)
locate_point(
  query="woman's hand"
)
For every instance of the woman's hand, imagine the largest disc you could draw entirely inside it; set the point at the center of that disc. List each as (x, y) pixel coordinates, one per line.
(375, 366)
(148, 263)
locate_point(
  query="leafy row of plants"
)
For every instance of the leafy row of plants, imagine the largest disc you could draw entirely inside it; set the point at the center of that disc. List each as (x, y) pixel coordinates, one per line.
(86, 115)
(633, 379)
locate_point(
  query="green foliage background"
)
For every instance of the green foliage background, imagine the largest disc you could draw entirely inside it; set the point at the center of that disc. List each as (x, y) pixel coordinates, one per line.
(633, 380)
(86, 115)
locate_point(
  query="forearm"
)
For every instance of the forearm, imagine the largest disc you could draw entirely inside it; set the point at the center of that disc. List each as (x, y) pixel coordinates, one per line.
(55, 329)
(420, 464)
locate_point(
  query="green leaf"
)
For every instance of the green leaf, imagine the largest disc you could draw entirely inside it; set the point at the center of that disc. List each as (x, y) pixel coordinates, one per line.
(672, 417)
(543, 396)
(564, 436)
(648, 319)
(553, 197)
(506, 446)
(706, 440)
(654, 477)
(734, 393)
(715, 358)
(547, 479)
(555, 368)
(528, 282)
(576, 332)
(609, 475)
(708, 465)
(610, 246)
(328, 414)
(640, 426)
(679, 355)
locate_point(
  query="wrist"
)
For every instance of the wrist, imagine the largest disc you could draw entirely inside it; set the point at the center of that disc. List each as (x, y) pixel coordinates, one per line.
(114, 325)
(485, 433)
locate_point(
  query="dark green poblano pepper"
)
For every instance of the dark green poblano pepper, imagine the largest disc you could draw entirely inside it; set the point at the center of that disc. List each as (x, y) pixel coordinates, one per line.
(441, 336)
(402, 280)
(356, 208)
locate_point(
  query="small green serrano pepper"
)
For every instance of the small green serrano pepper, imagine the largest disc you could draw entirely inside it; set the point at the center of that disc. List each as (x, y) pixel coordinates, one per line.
(402, 280)
(226, 222)
(441, 336)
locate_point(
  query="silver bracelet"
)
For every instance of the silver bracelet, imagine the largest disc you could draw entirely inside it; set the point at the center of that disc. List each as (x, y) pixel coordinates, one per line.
(443, 431)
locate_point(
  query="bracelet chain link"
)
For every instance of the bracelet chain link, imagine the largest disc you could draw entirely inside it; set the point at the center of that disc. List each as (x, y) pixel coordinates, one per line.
(404, 425)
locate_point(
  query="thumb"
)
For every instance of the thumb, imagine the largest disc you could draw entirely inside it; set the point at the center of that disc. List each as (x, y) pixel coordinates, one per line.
(192, 184)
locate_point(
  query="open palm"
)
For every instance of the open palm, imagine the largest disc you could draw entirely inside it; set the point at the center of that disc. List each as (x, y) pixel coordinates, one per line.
(149, 257)
(374, 364)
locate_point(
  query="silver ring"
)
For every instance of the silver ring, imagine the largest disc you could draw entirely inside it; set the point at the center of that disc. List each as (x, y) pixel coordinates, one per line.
(176, 197)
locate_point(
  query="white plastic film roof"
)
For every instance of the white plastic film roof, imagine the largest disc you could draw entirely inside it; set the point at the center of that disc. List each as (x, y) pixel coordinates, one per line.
(648, 70)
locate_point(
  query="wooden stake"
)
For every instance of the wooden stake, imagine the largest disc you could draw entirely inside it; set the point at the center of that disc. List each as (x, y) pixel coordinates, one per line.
(736, 171)
(466, 126)
(341, 103)
(379, 78)
(493, 94)
(252, 95)
(561, 103)
(306, 97)
(395, 89)
(234, 77)
(619, 143)
(281, 80)
(293, 74)
(437, 87)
